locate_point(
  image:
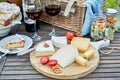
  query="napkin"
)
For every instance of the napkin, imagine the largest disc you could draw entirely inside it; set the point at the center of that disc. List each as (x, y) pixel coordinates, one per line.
(93, 7)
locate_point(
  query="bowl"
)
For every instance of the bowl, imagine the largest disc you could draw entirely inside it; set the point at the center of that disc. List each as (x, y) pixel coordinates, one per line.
(4, 31)
(111, 11)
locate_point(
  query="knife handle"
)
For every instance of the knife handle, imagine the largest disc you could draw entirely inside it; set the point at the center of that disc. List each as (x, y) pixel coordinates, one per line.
(25, 52)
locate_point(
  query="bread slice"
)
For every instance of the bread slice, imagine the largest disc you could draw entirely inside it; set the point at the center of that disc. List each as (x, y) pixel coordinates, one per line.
(5, 19)
(8, 13)
(16, 42)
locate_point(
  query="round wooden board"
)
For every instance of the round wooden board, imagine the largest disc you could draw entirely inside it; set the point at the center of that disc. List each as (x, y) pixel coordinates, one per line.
(72, 71)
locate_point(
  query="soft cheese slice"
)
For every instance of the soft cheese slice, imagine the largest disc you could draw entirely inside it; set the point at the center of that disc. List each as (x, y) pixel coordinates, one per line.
(65, 55)
(41, 50)
(59, 41)
(81, 44)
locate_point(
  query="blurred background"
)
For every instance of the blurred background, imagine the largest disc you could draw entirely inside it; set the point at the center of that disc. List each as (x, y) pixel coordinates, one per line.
(111, 3)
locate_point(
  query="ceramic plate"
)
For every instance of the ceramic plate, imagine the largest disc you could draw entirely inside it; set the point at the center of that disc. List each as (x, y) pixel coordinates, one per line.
(28, 44)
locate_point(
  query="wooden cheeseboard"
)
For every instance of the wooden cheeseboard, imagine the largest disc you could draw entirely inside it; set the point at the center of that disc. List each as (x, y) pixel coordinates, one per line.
(72, 71)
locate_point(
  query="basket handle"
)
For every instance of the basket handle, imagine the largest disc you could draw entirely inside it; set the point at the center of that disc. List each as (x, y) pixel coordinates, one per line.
(69, 7)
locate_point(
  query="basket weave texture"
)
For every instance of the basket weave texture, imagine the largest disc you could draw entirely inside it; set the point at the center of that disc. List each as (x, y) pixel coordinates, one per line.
(74, 22)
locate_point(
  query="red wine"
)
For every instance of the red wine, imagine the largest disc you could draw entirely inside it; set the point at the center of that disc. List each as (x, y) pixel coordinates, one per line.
(29, 27)
(52, 10)
(34, 15)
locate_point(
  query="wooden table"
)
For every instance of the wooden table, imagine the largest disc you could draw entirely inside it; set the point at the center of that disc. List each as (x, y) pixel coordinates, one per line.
(14, 67)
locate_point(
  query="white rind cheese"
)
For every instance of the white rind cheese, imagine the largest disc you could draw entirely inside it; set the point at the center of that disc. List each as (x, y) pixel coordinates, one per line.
(59, 41)
(41, 50)
(65, 55)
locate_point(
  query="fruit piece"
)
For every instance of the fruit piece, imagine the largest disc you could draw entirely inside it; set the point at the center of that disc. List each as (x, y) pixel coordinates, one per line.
(78, 35)
(101, 27)
(69, 35)
(110, 34)
(52, 62)
(44, 60)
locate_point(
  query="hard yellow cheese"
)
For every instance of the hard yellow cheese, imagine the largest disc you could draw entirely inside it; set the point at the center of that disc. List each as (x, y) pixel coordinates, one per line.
(88, 54)
(80, 60)
(81, 44)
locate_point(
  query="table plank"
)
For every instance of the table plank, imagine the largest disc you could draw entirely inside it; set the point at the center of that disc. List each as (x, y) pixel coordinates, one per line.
(2, 62)
(23, 77)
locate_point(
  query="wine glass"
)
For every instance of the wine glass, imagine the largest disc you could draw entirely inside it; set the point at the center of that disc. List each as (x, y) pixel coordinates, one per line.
(34, 11)
(52, 8)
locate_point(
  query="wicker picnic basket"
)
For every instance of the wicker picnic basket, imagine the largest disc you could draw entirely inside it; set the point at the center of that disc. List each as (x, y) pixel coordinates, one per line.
(72, 22)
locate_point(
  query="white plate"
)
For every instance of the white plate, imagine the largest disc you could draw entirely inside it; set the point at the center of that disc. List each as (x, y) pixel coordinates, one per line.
(28, 44)
(111, 11)
(4, 30)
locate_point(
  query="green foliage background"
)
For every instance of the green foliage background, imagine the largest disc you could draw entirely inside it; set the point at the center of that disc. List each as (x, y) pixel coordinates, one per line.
(111, 3)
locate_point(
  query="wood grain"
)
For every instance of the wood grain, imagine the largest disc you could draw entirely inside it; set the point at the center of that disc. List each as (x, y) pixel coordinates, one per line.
(72, 71)
(2, 62)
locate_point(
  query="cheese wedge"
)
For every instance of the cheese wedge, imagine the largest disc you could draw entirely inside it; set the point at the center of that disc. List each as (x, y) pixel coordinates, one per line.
(88, 54)
(59, 41)
(65, 55)
(80, 60)
(81, 44)
(41, 50)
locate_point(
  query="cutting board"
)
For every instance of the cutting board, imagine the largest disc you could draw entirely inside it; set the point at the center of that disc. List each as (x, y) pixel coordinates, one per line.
(72, 71)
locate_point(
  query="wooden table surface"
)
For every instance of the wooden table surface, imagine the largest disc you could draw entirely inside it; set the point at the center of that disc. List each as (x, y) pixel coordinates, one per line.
(19, 67)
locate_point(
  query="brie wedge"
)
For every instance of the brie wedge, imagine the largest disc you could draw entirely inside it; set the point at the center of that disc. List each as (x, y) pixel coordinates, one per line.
(59, 41)
(65, 55)
(41, 50)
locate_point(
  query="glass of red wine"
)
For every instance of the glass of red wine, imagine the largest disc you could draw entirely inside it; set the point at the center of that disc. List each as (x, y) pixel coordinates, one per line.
(34, 11)
(52, 8)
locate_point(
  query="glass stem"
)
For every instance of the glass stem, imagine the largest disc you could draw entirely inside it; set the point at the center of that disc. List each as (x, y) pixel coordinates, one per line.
(35, 33)
(53, 28)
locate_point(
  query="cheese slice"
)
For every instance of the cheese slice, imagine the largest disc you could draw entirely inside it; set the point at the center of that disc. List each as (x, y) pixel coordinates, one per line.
(65, 55)
(81, 44)
(59, 41)
(80, 60)
(88, 54)
(41, 50)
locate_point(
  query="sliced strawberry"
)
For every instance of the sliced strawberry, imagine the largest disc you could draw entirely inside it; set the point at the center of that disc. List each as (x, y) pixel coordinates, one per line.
(44, 60)
(52, 62)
